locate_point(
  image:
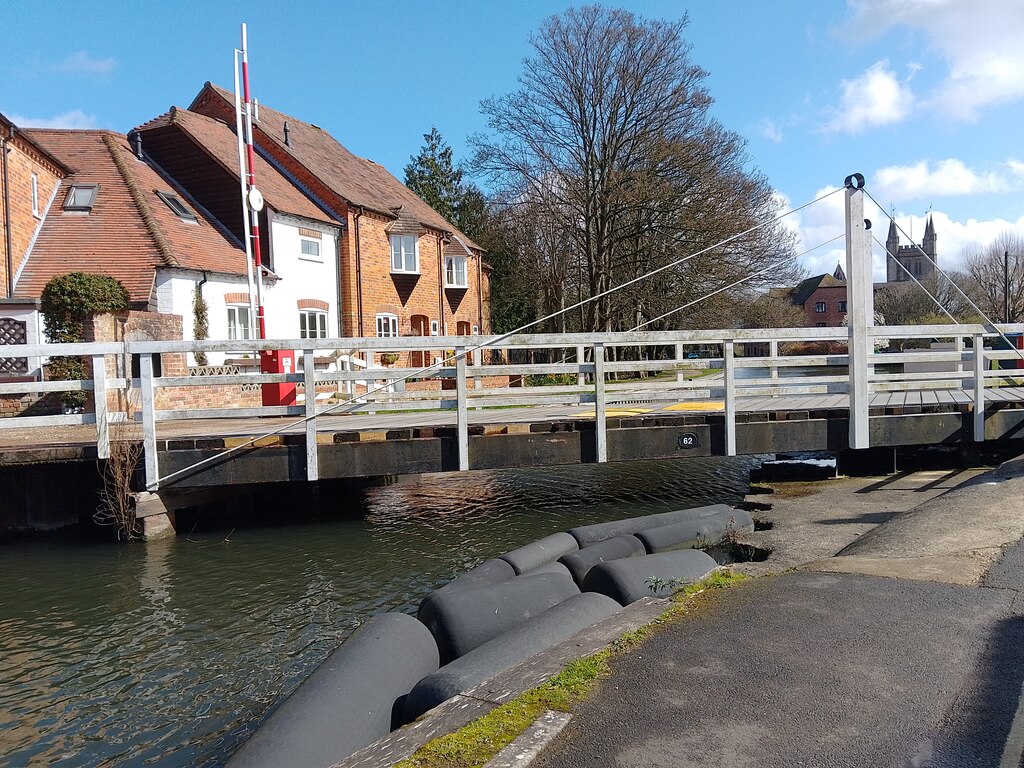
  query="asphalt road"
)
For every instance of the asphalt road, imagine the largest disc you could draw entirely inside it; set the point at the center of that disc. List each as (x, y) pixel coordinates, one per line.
(819, 669)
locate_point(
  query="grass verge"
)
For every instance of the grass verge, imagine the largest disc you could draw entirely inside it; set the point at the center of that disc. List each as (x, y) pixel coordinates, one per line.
(473, 745)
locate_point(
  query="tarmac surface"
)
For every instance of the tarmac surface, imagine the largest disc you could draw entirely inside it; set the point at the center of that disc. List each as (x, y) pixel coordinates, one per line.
(908, 653)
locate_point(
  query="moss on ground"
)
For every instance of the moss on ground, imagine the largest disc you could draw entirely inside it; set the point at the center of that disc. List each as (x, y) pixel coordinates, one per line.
(473, 745)
(794, 490)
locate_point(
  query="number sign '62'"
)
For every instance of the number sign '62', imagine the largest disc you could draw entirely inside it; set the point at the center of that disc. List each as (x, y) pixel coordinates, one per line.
(688, 440)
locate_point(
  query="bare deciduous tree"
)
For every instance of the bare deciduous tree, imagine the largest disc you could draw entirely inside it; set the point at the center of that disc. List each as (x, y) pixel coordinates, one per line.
(612, 159)
(985, 278)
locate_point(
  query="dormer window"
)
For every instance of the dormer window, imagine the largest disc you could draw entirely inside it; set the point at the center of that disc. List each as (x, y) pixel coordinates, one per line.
(175, 204)
(455, 272)
(405, 254)
(81, 197)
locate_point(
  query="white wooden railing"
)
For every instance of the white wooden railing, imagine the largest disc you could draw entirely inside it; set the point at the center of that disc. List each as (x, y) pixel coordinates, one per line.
(595, 369)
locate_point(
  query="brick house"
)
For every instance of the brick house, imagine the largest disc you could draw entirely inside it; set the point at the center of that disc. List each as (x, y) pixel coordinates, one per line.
(29, 179)
(299, 238)
(404, 269)
(822, 299)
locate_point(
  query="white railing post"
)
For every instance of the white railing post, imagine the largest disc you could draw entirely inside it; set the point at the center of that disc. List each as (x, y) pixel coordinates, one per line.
(979, 388)
(581, 356)
(99, 396)
(462, 408)
(600, 421)
(729, 371)
(960, 356)
(478, 360)
(773, 370)
(861, 315)
(148, 421)
(680, 376)
(309, 380)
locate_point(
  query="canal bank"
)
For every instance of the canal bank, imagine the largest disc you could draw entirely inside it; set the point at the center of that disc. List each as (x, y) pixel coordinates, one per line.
(902, 648)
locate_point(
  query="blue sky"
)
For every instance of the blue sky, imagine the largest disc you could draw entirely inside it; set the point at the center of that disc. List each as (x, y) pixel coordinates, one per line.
(921, 96)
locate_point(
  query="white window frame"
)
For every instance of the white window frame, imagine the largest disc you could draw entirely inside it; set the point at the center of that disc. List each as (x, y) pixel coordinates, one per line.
(234, 312)
(35, 194)
(820, 307)
(435, 328)
(476, 330)
(317, 329)
(387, 325)
(318, 256)
(402, 261)
(452, 272)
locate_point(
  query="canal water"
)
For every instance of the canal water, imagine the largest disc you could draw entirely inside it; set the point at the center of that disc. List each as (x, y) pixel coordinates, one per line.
(171, 654)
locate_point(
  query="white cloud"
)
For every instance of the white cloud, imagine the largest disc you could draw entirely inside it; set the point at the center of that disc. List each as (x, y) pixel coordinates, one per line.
(824, 220)
(941, 179)
(83, 63)
(980, 41)
(770, 130)
(76, 118)
(876, 97)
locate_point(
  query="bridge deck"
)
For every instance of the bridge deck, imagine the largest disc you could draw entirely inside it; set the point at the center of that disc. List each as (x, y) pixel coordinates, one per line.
(357, 426)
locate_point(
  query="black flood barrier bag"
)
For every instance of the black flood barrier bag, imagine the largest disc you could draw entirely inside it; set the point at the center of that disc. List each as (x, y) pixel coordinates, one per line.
(548, 568)
(694, 534)
(580, 563)
(488, 572)
(626, 581)
(537, 553)
(505, 651)
(587, 535)
(353, 699)
(467, 618)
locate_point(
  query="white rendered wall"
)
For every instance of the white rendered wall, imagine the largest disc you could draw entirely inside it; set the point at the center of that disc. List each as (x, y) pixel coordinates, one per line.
(300, 278)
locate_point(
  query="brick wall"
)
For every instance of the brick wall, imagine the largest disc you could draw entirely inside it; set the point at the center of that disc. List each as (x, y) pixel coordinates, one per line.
(831, 296)
(139, 326)
(22, 161)
(403, 295)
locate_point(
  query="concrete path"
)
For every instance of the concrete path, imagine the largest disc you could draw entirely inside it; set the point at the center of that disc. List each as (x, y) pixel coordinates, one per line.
(825, 667)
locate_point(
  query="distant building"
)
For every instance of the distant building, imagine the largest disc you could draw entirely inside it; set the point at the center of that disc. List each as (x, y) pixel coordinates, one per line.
(905, 260)
(822, 299)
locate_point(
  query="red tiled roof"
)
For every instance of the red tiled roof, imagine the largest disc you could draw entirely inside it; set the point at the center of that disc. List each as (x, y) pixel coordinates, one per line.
(356, 179)
(219, 142)
(130, 231)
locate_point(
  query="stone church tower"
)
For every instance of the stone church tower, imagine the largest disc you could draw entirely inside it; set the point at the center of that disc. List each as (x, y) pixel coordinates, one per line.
(918, 260)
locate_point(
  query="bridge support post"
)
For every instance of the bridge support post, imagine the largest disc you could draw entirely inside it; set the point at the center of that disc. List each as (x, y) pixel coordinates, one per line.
(600, 420)
(979, 388)
(99, 396)
(581, 357)
(461, 395)
(309, 380)
(148, 421)
(773, 371)
(861, 310)
(729, 372)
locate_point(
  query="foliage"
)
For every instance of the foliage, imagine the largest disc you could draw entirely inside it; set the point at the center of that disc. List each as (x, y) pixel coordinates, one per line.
(433, 176)
(200, 320)
(67, 300)
(609, 165)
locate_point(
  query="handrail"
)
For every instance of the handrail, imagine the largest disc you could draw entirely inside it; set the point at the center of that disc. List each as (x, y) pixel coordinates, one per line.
(588, 369)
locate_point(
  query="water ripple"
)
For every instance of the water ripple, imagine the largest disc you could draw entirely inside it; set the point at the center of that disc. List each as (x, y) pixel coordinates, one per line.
(171, 654)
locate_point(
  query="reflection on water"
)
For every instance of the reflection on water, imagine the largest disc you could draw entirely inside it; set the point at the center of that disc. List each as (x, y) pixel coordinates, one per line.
(170, 654)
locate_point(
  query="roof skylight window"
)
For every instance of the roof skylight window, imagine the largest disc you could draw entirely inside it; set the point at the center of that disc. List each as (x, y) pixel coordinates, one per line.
(175, 204)
(81, 197)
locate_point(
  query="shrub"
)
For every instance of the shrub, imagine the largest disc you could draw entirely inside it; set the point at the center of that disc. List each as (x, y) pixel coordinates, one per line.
(67, 301)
